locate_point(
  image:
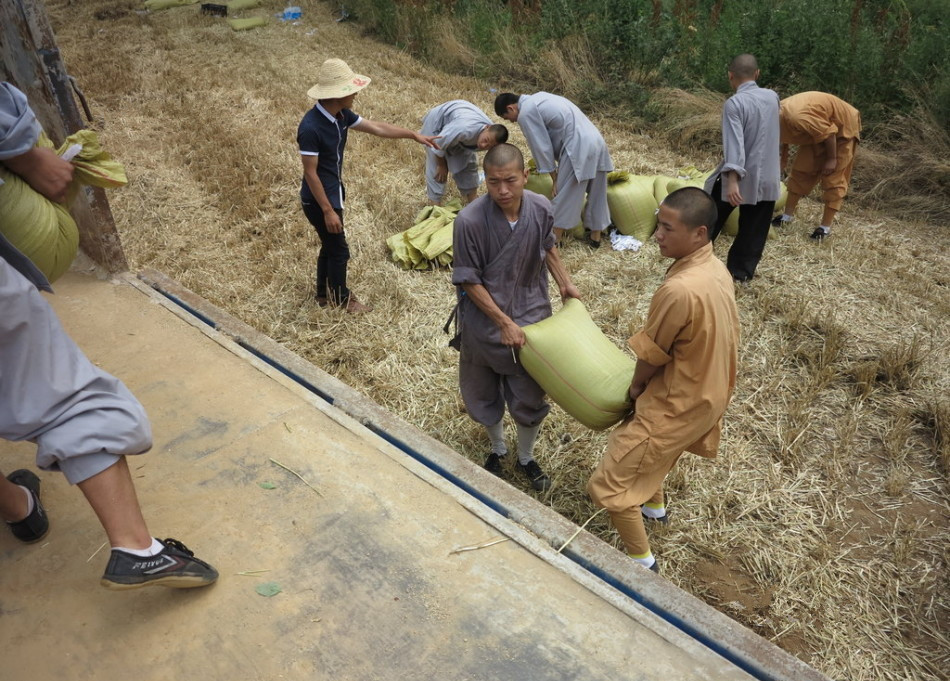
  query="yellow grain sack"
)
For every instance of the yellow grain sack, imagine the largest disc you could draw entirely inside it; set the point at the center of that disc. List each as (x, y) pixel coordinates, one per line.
(731, 228)
(238, 5)
(578, 366)
(246, 24)
(42, 230)
(631, 203)
(659, 187)
(155, 5)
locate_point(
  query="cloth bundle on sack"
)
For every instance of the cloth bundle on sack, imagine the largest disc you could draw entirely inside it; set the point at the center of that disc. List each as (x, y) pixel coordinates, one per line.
(429, 241)
(578, 366)
(42, 230)
(632, 204)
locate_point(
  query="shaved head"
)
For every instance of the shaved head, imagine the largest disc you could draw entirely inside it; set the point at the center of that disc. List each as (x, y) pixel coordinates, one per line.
(503, 154)
(744, 67)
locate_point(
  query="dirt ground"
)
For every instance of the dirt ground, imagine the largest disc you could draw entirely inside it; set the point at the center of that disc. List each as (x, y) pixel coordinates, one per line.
(824, 523)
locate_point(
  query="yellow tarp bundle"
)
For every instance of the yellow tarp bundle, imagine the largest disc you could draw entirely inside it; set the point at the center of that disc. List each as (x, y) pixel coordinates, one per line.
(155, 5)
(429, 241)
(238, 5)
(631, 203)
(578, 366)
(42, 230)
(246, 24)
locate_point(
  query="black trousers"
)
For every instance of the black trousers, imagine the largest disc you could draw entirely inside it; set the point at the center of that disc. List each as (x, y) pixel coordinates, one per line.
(754, 223)
(333, 257)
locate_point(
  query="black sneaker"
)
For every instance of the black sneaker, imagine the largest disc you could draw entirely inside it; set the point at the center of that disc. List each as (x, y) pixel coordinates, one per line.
(777, 221)
(493, 464)
(819, 234)
(175, 566)
(35, 526)
(539, 480)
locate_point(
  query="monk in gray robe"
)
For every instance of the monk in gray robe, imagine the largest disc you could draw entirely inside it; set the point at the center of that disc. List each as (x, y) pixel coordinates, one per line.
(461, 129)
(503, 249)
(567, 145)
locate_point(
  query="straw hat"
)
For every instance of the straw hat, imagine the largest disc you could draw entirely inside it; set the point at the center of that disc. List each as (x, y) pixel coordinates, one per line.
(337, 80)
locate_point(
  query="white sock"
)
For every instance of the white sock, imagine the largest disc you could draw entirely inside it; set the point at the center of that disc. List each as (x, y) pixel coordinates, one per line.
(152, 550)
(646, 562)
(29, 505)
(826, 230)
(653, 511)
(496, 434)
(526, 439)
(786, 217)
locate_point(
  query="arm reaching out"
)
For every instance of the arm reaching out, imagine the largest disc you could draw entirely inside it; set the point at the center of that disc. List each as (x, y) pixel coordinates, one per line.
(390, 131)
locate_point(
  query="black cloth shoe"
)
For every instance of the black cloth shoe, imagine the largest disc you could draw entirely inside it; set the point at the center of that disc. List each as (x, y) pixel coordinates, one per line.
(174, 566)
(539, 480)
(819, 234)
(656, 566)
(593, 244)
(35, 526)
(493, 464)
(777, 221)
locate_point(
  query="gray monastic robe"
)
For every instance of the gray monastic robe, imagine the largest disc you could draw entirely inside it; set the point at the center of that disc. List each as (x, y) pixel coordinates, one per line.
(510, 264)
(554, 126)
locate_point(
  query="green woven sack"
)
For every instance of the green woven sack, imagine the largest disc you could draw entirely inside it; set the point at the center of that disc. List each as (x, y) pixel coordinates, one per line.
(578, 366)
(631, 203)
(538, 183)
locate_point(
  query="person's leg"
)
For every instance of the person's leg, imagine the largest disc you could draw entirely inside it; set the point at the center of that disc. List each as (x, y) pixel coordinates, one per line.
(112, 497)
(482, 395)
(834, 187)
(332, 260)
(465, 175)
(569, 201)
(14, 501)
(723, 209)
(597, 213)
(806, 169)
(626, 478)
(527, 407)
(435, 190)
(749, 244)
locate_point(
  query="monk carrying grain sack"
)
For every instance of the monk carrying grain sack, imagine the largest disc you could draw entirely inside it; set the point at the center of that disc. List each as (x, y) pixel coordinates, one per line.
(684, 377)
(504, 247)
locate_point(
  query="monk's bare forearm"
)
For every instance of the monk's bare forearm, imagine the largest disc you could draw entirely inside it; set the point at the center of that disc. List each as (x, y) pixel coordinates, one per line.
(641, 376)
(559, 272)
(511, 333)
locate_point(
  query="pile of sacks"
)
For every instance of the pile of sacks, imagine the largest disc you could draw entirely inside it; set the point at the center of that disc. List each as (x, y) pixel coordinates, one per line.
(42, 230)
(428, 242)
(633, 200)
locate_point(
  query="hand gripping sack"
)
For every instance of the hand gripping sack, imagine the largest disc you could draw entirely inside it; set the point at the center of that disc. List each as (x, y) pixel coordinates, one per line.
(579, 367)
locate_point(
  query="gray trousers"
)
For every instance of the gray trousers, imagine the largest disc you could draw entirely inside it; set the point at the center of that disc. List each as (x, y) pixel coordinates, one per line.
(462, 167)
(485, 392)
(569, 201)
(81, 418)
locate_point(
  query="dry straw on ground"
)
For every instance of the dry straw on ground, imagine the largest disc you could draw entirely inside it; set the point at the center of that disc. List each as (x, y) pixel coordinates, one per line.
(824, 523)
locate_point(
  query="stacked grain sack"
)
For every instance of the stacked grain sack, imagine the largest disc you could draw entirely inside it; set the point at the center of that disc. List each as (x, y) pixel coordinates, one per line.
(632, 204)
(428, 242)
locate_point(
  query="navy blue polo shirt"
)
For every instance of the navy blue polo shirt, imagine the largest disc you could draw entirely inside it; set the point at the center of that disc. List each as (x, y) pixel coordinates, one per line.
(320, 134)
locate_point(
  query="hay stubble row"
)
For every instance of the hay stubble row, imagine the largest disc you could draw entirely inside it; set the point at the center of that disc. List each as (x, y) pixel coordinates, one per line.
(824, 523)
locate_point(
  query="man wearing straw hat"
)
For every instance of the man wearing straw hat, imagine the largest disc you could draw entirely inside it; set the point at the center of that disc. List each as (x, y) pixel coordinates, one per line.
(503, 248)
(684, 378)
(567, 145)
(462, 129)
(321, 137)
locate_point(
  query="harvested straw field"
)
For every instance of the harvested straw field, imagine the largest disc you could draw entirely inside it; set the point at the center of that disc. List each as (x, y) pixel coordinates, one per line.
(823, 525)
